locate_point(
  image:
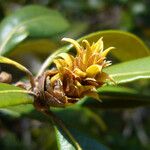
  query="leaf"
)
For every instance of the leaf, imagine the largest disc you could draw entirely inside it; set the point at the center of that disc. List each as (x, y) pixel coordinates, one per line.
(130, 71)
(64, 138)
(127, 46)
(117, 97)
(11, 95)
(62, 142)
(40, 47)
(29, 22)
(85, 141)
(17, 65)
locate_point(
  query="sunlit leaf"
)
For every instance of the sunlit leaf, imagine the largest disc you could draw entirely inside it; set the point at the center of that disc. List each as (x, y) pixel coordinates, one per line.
(11, 95)
(130, 71)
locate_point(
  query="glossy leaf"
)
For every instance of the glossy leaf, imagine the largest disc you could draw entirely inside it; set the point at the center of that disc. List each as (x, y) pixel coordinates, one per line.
(11, 95)
(127, 46)
(31, 21)
(130, 71)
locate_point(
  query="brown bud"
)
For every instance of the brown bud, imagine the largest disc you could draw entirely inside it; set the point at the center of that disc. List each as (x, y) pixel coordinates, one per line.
(5, 77)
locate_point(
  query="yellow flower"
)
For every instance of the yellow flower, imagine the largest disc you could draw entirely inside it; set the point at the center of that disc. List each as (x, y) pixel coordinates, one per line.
(77, 76)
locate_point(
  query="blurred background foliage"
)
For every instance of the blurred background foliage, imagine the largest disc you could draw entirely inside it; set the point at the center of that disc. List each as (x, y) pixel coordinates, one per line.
(124, 129)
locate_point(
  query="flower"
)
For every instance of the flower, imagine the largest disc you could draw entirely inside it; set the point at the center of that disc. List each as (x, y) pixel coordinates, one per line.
(76, 76)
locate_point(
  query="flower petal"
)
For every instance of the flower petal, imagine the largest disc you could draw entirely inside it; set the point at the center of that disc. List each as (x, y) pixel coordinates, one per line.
(98, 46)
(79, 72)
(94, 95)
(68, 58)
(93, 70)
(75, 43)
(105, 52)
(60, 63)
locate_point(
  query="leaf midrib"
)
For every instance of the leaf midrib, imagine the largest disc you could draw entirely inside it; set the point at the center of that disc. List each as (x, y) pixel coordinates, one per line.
(14, 91)
(130, 74)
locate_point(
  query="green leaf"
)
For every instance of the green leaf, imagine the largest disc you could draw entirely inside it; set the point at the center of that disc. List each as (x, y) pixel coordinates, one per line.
(117, 97)
(29, 22)
(86, 142)
(127, 45)
(62, 141)
(40, 47)
(64, 138)
(130, 71)
(17, 65)
(11, 95)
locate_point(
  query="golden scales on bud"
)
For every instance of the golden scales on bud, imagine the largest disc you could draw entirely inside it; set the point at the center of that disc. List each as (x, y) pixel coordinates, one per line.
(74, 76)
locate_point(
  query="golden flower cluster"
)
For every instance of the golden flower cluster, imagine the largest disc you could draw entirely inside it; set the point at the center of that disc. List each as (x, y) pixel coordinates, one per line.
(76, 77)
